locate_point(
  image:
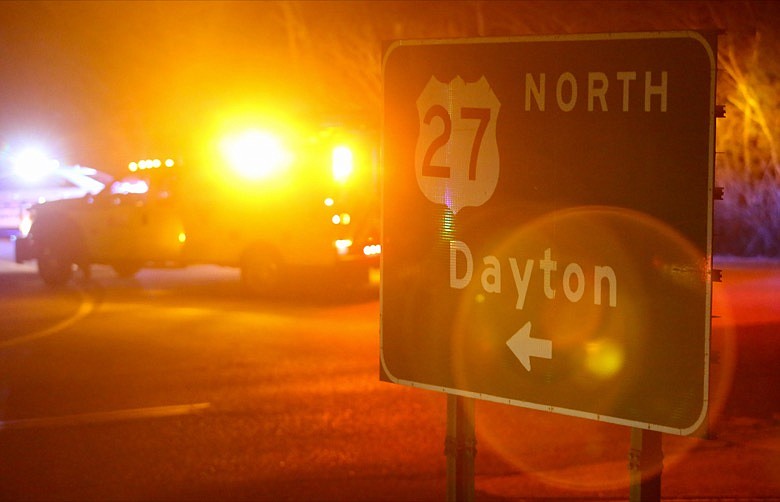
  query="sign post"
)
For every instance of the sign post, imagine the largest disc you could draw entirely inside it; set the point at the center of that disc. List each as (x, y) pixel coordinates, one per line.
(547, 223)
(460, 447)
(645, 465)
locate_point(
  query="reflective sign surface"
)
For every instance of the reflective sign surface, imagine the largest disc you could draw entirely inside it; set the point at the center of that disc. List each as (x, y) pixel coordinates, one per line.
(547, 223)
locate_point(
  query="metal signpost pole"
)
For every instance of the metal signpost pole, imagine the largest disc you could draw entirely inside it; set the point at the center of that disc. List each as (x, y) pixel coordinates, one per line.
(645, 464)
(460, 448)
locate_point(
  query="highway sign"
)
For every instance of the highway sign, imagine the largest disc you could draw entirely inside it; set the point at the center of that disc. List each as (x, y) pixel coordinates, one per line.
(547, 222)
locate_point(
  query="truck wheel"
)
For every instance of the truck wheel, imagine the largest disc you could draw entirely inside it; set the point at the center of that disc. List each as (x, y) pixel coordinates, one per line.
(126, 269)
(261, 271)
(55, 265)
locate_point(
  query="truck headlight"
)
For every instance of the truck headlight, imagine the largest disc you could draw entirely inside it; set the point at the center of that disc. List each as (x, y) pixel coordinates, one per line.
(343, 245)
(372, 249)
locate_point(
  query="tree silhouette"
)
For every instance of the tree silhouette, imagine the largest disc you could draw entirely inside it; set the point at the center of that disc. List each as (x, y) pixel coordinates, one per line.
(343, 51)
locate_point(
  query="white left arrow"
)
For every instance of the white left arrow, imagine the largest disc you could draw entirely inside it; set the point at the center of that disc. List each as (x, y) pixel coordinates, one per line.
(524, 347)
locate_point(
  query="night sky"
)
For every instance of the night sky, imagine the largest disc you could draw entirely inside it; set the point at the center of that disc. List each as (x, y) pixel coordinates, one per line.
(102, 83)
(97, 83)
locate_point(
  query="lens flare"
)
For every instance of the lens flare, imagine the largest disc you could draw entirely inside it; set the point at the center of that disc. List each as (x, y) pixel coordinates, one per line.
(604, 358)
(602, 322)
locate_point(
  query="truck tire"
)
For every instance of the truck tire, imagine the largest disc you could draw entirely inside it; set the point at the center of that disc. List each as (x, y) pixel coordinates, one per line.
(59, 250)
(261, 270)
(55, 263)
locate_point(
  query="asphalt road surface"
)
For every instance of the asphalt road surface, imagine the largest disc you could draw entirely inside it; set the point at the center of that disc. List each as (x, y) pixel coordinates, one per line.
(174, 386)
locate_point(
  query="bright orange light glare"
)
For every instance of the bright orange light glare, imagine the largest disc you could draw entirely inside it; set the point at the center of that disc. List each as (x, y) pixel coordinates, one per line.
(372, 249)
(255, 154)
(343, 245)
(342, 163)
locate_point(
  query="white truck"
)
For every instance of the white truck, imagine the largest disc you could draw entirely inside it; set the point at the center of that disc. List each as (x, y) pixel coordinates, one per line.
(271, 206)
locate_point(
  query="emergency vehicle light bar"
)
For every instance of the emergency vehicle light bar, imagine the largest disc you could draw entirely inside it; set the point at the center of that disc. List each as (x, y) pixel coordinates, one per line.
(142, 165)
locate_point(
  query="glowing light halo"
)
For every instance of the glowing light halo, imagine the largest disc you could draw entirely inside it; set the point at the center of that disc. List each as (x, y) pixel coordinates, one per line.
(255, 154)
(574, 324)
(342, 163)
(572, 235)
(33, 165)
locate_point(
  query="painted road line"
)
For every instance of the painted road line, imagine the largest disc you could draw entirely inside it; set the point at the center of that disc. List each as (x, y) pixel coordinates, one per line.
(105, 417)
(86, 306)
